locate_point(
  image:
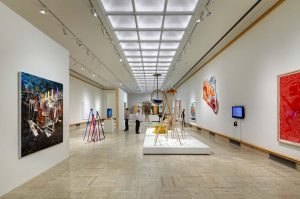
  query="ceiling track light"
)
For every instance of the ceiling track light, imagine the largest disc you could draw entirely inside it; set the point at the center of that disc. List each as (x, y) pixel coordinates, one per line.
(78, 42)
(43, 11)
(206, 11)
(65, 31)
(94, 13)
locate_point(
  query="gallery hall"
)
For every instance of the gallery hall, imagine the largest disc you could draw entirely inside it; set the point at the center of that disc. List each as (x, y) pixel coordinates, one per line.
(150, 99)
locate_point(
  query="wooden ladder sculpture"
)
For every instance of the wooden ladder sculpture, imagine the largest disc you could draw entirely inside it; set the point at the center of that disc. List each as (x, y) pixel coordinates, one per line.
(167, 113)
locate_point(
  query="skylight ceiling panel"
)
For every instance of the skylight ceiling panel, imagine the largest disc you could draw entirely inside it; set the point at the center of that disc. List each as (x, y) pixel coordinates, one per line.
(150, 53)
(149, 35)
(149, 68)
(130, 45)
(132, 53)
(181, 5)
(149, 64)
(162, 71)
(135, 64)
(134, 59)
(138, 75)
(122, 21)
(127, 35)
(149, 21)
(165, 59)
(172, 35)
(167, 53)
(177, 21)
(149, 5)
(138, 72)
(162, 68)
(117, 5)
(137, 68)
(163, 64)
(149, 45)
(169, 45)
(149, 59)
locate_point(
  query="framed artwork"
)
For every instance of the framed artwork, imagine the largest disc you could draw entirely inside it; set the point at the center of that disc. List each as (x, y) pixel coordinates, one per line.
(289, 108)
(193, 111)
(41, 113)
(210, 94)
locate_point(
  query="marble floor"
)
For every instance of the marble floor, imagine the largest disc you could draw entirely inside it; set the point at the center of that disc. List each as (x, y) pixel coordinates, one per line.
(116, 168)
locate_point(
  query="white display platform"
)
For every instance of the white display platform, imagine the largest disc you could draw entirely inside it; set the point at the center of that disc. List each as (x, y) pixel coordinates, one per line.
(190, 145)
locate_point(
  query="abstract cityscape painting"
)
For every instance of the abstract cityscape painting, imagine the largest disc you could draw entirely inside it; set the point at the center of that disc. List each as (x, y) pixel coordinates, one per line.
(41, 113)
(193, 111)
(289, 108)
(210, 93)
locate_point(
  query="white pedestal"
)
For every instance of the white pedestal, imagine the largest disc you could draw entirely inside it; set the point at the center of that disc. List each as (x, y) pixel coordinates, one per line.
(108, 125)
(190, 145)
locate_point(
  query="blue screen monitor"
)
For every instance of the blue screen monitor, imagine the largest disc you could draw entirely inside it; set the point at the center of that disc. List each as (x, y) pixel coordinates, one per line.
(109, 112)
(238, 112)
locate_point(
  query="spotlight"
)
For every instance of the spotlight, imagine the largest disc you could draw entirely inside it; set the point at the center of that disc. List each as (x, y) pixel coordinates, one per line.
(104, 31)
(121, 59)
(200, 19)
(93, 75)
(94, 13)
(42, 11)
(65, 31)
(82, 68)
(206, 11)
(78, 42)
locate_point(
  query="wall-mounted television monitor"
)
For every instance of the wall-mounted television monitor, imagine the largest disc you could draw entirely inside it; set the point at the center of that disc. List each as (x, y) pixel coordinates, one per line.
(238, 112)
(109, 112)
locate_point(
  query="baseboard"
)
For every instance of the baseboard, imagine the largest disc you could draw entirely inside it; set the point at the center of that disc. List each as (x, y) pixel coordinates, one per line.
(258, 148)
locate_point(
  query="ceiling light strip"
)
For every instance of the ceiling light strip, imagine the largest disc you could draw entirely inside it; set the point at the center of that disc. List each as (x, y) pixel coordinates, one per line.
(138, 34)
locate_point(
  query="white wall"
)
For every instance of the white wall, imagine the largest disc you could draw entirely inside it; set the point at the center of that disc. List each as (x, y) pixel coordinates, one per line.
(246, 74)
(123, 98)
(109, 101)
(134, 99)
(25, 48)
(83, 94)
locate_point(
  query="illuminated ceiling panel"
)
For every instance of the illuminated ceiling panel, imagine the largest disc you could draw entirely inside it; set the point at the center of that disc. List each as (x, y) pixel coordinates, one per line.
(150, 32)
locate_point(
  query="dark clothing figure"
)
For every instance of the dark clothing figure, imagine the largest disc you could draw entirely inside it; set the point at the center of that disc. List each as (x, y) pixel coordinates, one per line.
(126, 116)
(183, 117)
(137, 122)
(126, 125)
(137, 126)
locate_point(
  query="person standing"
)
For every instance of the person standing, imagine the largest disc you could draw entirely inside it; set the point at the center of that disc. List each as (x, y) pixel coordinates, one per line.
(183, 117)
(137, 122)
(126, 116)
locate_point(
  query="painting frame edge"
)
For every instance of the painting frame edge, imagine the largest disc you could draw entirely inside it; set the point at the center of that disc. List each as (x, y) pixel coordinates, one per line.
(278, 109)
(19, 115)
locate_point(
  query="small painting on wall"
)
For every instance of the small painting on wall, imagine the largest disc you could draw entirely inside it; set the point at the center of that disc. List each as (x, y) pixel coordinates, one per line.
(193, 111)
(289, 108)
(41, 113)
(210, 94)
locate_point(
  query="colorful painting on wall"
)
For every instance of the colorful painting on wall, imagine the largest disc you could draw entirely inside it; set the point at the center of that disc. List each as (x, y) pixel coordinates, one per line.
(41, 113)
(289, 108)
(210, 94)
(193, 111)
